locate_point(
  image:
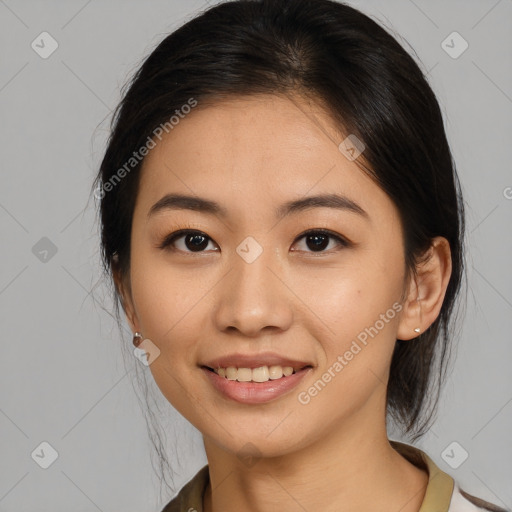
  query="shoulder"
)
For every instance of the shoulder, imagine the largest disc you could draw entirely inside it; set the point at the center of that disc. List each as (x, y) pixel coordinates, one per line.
(443, 493)
(190, 498)
(464, 502)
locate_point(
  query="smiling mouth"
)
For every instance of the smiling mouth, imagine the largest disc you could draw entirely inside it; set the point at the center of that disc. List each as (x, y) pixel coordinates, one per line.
(260, 374)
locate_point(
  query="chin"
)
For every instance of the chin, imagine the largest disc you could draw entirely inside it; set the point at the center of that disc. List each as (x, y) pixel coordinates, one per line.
(258, 440)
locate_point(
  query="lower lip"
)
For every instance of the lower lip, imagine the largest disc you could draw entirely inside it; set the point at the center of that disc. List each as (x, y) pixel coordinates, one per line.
(255, 392)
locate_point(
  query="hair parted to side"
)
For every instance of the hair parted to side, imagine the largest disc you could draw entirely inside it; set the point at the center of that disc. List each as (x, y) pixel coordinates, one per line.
(369, 85)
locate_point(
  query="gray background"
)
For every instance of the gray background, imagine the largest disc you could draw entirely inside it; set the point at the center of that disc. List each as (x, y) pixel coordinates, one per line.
(63, 379)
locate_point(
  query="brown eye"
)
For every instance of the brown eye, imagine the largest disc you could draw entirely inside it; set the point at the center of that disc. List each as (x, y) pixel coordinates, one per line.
(193, 241)
(318, 240)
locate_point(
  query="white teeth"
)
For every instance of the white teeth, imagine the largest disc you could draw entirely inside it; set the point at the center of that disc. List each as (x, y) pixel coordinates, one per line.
(244, 375)
(275, 372)
(260, 374)
(287, 371)
(231, 373)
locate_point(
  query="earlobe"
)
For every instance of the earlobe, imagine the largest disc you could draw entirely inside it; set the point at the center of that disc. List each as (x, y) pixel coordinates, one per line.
(411, 322)
(426, 291)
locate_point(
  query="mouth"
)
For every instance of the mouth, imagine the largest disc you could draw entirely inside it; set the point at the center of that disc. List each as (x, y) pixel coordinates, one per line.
(255, 378)
(259, 374)
(257, 385)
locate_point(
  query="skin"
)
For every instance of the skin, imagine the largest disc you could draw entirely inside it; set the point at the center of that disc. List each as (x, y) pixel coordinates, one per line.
(251, 154)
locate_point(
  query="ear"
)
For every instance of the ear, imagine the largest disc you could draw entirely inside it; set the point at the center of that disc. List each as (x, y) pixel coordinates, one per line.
(124, 289)
(426, 290)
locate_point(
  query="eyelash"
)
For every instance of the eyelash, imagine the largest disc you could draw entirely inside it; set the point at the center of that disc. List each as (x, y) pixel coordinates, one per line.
(172, 237)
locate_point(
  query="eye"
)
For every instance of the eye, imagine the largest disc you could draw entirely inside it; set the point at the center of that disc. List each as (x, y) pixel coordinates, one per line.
(193, 241)
(318, 239)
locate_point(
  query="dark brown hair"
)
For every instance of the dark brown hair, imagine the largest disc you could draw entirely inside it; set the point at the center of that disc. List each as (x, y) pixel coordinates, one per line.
(368, 84)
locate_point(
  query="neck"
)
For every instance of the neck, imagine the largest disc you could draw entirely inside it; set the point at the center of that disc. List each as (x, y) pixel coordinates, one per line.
(354, 468)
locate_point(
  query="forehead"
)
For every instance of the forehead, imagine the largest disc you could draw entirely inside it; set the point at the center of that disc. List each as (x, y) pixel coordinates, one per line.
(248, 152)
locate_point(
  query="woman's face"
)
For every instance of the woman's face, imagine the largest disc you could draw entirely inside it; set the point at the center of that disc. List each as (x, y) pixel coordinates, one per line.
(252, 286)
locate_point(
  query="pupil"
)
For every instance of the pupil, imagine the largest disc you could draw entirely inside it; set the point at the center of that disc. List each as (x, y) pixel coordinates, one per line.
(196, 246)
(319, 243)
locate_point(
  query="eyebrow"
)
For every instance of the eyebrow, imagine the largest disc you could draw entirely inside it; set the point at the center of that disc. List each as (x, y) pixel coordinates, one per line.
(199, 204)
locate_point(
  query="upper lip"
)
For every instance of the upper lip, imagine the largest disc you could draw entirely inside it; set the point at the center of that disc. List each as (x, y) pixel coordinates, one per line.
(255, 361)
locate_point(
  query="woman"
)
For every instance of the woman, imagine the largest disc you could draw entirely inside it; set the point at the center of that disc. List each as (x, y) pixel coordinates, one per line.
(283, 223)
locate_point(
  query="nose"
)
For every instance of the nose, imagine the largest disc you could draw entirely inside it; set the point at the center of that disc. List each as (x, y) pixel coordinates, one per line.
(254, 297)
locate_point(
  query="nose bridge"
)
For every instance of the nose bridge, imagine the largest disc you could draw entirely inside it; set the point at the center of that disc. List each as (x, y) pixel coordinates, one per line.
(253, 297)
(252, 264)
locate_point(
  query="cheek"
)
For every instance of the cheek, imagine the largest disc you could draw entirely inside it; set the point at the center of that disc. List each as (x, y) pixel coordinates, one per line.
(345, 300)
(165, 301)
(361, 312)
(356, 314)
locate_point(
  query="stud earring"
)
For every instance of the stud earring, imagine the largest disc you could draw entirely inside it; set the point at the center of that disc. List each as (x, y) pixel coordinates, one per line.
(417, 330)
(137, 339)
